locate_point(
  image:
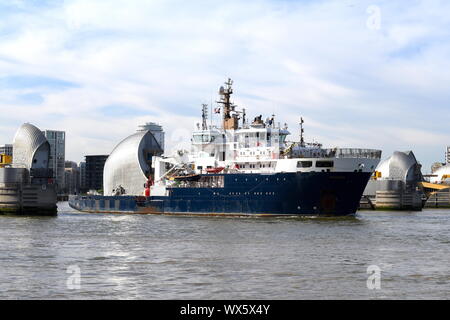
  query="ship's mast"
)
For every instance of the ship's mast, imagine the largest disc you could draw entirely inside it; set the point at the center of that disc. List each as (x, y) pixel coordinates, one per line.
(230, 121)
(204, 116)
(302, 140)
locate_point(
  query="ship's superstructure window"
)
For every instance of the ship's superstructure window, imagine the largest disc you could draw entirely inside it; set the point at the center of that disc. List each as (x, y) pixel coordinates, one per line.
(304, 164)
(203, 182)
(324, 164)
(202, 138)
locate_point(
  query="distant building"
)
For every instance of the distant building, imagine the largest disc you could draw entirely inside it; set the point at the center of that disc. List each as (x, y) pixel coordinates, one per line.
(435, 166)
(447, 155)
(70, 164)
(82, 172)
(156, 130)
(94, 171)
(6, 149)
(57, 140)
(71, 178)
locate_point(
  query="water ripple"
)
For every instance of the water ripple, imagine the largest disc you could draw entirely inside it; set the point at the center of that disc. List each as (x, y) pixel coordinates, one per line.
(163, 257)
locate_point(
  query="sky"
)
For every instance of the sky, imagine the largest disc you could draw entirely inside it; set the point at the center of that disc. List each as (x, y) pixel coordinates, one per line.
(366, 74)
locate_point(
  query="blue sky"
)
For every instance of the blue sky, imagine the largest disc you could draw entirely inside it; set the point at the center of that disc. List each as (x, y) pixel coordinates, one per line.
(369, 74)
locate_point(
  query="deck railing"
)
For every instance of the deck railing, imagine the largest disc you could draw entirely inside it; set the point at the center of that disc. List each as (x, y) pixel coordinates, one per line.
(350, 153)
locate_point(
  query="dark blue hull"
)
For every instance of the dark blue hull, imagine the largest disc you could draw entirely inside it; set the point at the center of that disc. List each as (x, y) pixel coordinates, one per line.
(313, 193)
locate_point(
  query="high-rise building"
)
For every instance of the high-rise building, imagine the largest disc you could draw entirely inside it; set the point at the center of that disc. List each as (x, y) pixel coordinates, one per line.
(82, 172)
(94, 171)
(156, 130)
(72, 178)
(6, 149)
(447, 155)
(57, 140)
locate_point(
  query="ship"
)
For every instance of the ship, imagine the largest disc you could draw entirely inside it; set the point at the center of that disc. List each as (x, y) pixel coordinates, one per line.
(237, 168)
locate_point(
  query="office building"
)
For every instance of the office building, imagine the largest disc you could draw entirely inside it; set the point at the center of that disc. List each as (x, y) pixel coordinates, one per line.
(57, 140)
(6, 149)
(72, 178)
(82, 172)
(447, 155)
(94, 171)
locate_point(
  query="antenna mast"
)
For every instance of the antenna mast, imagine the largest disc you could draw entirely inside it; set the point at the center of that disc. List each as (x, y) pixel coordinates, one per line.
(302, 141)
(229, 121)
(204, 116)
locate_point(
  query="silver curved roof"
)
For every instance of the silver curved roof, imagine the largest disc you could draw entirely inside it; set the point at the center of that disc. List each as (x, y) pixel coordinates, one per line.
(31, 148)
(401, 166)
(129, 163)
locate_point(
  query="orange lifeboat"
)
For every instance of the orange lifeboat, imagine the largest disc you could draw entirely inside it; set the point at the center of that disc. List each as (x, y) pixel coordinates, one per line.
(214, 170)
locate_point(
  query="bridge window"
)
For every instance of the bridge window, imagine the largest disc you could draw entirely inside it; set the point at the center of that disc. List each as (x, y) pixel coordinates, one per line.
(199, 138)
(304, 164)
(324, 164)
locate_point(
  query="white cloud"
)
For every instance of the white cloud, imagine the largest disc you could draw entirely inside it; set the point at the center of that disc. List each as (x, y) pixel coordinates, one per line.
(354, 85)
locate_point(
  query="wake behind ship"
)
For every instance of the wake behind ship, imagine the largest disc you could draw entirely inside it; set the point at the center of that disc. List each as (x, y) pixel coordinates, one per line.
(238, 168)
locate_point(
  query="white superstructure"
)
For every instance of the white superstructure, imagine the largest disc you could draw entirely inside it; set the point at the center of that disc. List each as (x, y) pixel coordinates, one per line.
(260, 146)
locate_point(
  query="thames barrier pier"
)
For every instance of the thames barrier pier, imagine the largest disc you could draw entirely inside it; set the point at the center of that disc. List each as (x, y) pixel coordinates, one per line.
(26, 184)
(398, 184)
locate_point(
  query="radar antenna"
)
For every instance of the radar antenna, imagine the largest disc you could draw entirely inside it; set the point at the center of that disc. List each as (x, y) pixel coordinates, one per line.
(204, 116)
(230, 121)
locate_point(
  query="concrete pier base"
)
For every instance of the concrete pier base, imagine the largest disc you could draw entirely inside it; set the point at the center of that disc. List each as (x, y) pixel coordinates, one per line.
(393, 200)
(27, 199)
(440, 199)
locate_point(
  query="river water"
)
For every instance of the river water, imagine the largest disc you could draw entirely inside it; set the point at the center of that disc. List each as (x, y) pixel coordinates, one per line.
(109, 256)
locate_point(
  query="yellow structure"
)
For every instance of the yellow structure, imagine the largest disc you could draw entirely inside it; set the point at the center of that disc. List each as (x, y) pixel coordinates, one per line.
(4, 160)
(434, 186)
(376, 175)
(431, 188)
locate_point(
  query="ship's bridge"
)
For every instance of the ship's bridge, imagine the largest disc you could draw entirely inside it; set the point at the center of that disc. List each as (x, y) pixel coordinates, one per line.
(240, 144)
(205, 137)
(260, 137)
